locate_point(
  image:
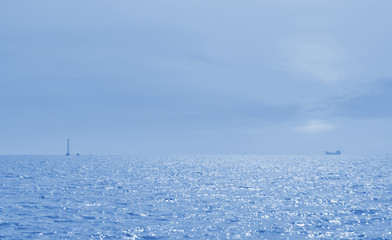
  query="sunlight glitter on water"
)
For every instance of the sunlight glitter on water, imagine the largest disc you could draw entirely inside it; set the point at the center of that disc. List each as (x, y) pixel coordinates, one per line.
(200, 197)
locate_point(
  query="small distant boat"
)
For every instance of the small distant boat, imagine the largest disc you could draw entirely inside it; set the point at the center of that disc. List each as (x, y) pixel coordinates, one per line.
(333, 153)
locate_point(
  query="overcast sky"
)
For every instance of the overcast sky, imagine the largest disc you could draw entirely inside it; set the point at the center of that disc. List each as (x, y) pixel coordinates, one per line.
(174, 77)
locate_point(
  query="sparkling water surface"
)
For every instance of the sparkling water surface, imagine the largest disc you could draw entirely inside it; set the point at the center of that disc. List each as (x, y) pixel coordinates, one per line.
(196, 197)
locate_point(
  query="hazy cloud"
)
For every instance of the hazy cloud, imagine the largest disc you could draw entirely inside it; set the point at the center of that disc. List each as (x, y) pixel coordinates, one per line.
(315, 61)
(315, 126)
(158, 74)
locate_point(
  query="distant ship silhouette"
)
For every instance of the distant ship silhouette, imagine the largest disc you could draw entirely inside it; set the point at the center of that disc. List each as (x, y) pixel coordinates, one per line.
(333, 153)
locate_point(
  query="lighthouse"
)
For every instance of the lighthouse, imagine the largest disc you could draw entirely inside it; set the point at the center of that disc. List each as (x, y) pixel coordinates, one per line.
(67, 154)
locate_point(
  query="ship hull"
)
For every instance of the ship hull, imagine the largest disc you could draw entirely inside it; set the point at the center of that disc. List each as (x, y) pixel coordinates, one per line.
(333, 153)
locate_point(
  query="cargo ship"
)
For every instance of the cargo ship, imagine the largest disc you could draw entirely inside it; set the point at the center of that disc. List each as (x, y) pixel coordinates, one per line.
(333, 153)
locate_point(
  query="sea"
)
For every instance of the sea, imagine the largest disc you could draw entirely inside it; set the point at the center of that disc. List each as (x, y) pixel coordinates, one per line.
(196, 197)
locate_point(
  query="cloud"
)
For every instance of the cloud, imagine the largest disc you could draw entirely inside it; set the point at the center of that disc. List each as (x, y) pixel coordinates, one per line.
(315, 126)
(374, 102)
(318, 61)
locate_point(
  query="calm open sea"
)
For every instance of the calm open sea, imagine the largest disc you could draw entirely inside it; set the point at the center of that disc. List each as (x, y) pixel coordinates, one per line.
(199, 197)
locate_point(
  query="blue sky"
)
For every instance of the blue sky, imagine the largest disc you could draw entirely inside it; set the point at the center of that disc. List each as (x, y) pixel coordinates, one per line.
(151, 77)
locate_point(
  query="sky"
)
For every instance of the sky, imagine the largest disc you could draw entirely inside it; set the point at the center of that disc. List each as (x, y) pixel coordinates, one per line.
(195, 77)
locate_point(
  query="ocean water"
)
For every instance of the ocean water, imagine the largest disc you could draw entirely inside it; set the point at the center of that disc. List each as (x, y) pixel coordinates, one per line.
(196, 197)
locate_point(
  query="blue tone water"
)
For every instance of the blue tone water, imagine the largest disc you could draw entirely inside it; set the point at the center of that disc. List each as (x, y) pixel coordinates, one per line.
(200, 197)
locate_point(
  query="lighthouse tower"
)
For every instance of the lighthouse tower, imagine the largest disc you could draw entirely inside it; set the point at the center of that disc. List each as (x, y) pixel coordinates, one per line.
(67, 154)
